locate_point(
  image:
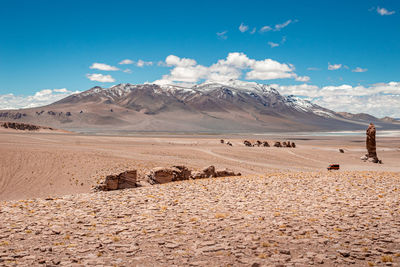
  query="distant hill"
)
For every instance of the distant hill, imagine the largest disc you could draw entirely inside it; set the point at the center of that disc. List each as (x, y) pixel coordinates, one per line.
(235, 107)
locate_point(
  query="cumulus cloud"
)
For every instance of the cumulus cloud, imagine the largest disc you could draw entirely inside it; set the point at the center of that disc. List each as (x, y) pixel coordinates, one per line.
(40, 98)
(334, 66)
(382, 99)
(358, 69)
(232, 67)
(222, 35)
(126, 62)
(384, 12)
(101, 66)
(272, 44)
(243, 27)
(100, 78)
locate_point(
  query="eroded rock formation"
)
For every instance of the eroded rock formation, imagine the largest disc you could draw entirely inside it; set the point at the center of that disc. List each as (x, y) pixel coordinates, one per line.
(121, 181)
(371, 145)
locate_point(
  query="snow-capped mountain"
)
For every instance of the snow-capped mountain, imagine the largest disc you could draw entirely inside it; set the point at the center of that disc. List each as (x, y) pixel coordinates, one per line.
(233, 106)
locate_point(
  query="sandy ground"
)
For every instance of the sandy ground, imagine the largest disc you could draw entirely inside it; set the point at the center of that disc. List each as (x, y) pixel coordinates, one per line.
(286, 209)
(41, 165)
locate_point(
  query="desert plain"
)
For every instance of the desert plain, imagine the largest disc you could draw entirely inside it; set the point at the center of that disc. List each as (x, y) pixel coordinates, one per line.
(286, 209)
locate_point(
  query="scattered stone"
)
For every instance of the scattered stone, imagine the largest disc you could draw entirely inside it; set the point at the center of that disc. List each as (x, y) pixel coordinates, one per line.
(247, 143)
(341, 150)
(265, 144)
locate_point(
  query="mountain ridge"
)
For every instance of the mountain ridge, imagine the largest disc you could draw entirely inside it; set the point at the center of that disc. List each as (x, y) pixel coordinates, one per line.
(234, 106)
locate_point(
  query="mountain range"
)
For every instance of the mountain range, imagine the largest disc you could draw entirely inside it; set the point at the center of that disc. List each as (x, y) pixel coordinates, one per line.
(231, 107)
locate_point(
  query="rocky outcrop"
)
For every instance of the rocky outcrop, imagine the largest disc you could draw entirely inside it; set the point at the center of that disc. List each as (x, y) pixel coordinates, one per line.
(22, 126)
(265, 144)
(371, 142)
(371, 145)
(121, 181)
(182, 172)
(162, 175)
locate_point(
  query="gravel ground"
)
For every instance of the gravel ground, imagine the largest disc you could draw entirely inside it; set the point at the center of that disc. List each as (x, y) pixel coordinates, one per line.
(281, 219)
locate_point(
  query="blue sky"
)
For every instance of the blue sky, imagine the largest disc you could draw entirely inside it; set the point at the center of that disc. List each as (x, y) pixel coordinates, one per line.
(52, 45)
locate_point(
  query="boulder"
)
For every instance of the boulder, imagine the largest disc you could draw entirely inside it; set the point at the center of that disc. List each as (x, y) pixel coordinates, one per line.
(182, 173)
(121, 181)
(229, 143)
(284, 144)
(160, 175)
(277, 144)
(288, 144)
(209, 171)
(247, 143)
(111, 182)
(341, 150)
(222, 141)
(258, 143)
(293, 145)
(127, 179)
(197, 175)
(265, 144)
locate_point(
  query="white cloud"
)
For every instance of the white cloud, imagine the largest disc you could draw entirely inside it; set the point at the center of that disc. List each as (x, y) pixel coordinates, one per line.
(358, 69)
(272, 44)
(142, 63)
(302, 78)
(101, 66)
(40, 98)
(222, 35)
(127, 70)
(243, 27)
(384, 12)
(265, 29)
(173, 60)
(100, 78)
(126, 62)
(382, 99)
(279, 27)
(253, 31)
(334, 66)
(232, 67)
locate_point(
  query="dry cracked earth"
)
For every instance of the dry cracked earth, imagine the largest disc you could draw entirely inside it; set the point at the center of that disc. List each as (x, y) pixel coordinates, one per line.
(277, 219)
